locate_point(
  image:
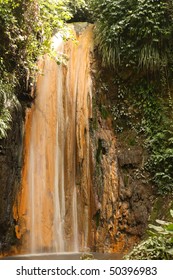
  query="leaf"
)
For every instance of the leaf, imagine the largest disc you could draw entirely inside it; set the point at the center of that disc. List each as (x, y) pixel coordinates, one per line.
(171, 212)
(170, 227)
(161, 222)
(151, 233)
(170, 251)
(157, 228)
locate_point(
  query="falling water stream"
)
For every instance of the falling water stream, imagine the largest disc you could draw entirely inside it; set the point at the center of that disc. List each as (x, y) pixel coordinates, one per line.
(48, 211)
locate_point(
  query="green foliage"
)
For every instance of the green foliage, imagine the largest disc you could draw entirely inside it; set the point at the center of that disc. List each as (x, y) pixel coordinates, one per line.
(136, 38)
(161, 161)
(121, 109)
(159, 246)
(81, 11)
(26, 28)
(7, 97)
(134, 33)
(157, 125)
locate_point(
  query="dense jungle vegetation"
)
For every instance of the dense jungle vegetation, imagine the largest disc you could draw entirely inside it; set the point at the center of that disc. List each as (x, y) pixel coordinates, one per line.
(134, 39)
(26, 27)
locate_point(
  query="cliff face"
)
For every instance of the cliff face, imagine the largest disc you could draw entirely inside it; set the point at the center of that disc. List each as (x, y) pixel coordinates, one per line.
(122, 195)
(122, 201)
(103, 202)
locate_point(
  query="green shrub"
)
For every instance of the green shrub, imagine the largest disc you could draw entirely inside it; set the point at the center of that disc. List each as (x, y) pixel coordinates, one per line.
(134, 33)
(159, 246)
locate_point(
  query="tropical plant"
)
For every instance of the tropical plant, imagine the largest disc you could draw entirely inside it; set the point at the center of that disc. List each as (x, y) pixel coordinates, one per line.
(134, 33)
(159, 246)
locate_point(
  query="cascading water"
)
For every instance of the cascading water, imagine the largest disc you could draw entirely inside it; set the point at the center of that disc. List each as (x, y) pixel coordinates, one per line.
(56, 142)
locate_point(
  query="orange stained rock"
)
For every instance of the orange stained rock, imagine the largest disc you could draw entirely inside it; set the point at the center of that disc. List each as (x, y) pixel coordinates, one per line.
(20, 206)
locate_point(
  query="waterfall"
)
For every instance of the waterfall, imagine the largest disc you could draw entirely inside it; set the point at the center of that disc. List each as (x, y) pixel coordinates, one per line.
(56, 143)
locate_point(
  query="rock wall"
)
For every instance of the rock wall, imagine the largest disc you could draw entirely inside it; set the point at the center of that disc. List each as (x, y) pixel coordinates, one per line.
(10, 175)
(122, 195)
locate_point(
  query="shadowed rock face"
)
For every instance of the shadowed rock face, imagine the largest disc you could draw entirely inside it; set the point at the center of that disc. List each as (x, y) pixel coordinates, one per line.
(10, 175)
